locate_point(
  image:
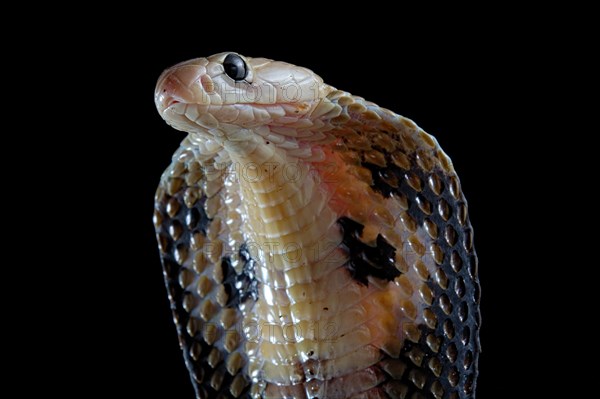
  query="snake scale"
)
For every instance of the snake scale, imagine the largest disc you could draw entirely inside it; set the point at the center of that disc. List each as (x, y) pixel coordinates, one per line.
(314, 245)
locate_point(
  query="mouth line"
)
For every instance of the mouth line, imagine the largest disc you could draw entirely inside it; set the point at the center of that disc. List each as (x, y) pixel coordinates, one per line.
(174, 106)
(172, 103)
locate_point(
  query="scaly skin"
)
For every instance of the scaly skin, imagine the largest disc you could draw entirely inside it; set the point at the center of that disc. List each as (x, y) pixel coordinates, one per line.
(315, 245)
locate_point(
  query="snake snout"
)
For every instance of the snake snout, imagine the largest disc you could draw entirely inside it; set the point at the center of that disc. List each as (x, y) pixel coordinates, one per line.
(171, 92)
(179, 84)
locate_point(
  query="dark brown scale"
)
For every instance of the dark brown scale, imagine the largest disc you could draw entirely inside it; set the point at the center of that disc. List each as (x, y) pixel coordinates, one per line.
(208, 372)
(366, 260)
(456, 306)
(243, 286)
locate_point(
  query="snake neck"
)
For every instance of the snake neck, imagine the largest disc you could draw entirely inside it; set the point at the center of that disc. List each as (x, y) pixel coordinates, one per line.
(284, 205)
(293, 234)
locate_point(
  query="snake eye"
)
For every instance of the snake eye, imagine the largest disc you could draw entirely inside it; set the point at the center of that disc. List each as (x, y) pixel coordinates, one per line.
(235, 67)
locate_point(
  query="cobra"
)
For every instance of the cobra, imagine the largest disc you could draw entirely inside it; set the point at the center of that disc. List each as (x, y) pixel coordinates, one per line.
(314, 244)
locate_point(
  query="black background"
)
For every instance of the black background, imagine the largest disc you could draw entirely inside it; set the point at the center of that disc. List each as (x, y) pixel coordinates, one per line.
(456, 81)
